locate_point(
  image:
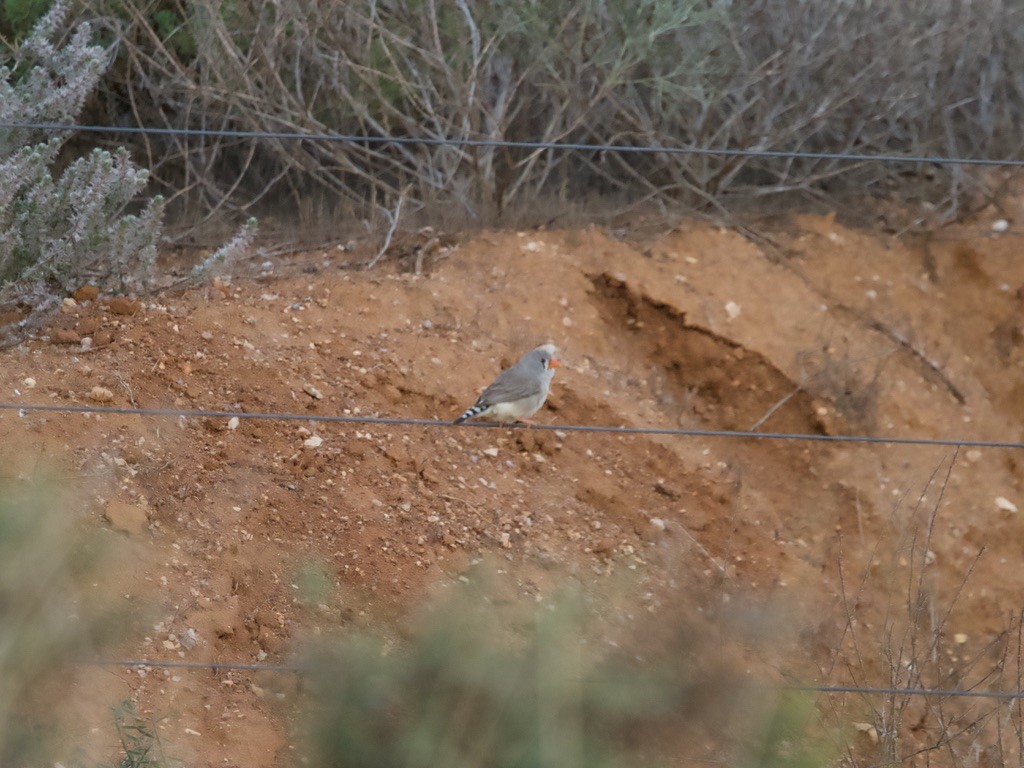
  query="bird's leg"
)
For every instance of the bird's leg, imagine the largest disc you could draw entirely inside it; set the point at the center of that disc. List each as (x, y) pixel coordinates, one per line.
(527, 422)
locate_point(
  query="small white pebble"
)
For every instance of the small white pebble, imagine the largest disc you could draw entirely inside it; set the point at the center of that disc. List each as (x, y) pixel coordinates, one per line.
(314, 441)
(233, 423)
(1000, 225)
(1006, 505)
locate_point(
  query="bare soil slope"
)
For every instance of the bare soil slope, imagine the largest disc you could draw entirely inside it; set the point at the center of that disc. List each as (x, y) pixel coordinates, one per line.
(842, 332)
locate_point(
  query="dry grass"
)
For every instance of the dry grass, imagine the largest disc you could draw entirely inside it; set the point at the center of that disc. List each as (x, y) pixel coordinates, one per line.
(897, 632)
(848, 76)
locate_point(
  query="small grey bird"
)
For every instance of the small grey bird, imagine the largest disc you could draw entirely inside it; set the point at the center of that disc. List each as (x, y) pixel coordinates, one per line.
(519, 392)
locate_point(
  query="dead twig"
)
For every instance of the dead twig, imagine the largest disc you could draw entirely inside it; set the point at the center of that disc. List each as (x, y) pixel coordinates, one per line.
(393, 217)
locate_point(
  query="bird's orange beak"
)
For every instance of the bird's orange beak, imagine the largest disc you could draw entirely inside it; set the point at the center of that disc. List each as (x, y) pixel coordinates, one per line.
(554, 363)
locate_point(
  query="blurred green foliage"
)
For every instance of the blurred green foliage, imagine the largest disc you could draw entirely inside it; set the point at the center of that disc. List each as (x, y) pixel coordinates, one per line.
(474, 686)
(17, 17)
(46, 622)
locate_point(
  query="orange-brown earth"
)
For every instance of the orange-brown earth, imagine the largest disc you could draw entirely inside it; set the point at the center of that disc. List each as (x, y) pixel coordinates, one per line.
(835, 331)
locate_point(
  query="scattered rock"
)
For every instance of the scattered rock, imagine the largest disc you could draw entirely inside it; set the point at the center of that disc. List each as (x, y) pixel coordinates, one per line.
(101, 395)
(86, 293)
(492, 452)
(88, 326)
(1006, 505)
(653, 531)
(314, 441)
(1000, 225)
(65, 336)
(223, 622)
(270, 641)
(29, 383)
(128, 518)
(960, 638)
(666, 490)
(233, 423)
(604, 546)
(732, 310)
(68, 306)
(102, 338)
(123, 306)
(312, 391)
(868, 730)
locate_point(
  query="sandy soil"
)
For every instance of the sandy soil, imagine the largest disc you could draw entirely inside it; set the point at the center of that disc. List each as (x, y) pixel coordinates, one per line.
(835, 331)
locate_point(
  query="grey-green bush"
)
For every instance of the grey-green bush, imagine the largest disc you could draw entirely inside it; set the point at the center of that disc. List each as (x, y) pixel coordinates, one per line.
(59, 230)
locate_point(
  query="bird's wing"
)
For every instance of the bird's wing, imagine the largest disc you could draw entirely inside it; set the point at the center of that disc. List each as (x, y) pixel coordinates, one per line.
(511, 385)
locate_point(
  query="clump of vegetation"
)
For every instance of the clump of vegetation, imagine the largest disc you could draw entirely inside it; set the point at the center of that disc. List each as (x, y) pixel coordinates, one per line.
(475, 686)
(139, 740)
(45, 621)
(58, 230)
(790, 75)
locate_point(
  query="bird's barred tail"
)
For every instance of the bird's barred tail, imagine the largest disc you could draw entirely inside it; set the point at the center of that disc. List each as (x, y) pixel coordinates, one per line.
(476, 410)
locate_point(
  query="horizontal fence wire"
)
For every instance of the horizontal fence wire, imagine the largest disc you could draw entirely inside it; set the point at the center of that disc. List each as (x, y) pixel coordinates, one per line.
(829, 689)
(932, 692)
(388, 421)
(214, 666)
(854, 157)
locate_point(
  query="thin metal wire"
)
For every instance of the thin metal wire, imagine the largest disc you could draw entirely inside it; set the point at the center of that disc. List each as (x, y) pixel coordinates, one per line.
(410, 422)
(403, 422)
(869, 691)
(543, 145)
(830, 689)
(211, 665)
